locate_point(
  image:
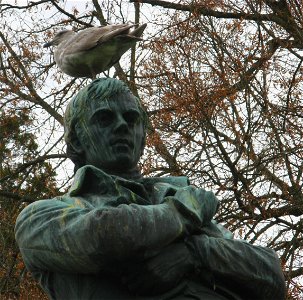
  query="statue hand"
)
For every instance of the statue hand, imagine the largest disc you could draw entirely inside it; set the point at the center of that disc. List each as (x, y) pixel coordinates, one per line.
(196, 205)
(160, 273)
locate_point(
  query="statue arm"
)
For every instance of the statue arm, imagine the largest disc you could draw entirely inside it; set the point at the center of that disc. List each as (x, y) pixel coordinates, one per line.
(235, 263)
(57, 236)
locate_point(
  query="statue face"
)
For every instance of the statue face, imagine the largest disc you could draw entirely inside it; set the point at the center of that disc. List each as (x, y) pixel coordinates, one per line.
(111, 135)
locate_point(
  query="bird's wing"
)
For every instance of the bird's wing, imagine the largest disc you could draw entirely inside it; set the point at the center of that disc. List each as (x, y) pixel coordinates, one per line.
(113, 31)
(91, 37)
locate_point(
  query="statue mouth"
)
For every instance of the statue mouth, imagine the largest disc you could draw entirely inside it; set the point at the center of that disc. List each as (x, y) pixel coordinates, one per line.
(122, 142)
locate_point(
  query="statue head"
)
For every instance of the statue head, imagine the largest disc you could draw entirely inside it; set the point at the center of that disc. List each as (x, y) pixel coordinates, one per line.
(105, 126)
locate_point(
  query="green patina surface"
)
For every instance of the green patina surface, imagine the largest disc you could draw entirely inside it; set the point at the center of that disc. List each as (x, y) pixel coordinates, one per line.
(83, 244)
(76, 245)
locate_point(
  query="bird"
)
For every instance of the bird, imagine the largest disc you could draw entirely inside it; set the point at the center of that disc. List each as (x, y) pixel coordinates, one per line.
(93, 50)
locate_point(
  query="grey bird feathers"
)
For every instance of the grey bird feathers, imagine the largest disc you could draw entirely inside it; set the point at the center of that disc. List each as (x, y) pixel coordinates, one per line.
(93, 50)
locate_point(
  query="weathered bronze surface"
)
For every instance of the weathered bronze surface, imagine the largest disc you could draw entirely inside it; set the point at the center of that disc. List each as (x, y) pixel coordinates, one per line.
(117, 235)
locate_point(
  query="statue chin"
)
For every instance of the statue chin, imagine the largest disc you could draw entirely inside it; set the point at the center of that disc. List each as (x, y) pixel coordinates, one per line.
(124, 158)
(123, 163)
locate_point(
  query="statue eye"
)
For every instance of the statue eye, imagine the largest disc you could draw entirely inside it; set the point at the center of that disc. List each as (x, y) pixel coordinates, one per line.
(105, 117)
(131, 117)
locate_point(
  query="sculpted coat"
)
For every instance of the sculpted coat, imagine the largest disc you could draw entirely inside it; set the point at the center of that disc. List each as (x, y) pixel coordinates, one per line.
(117, 235)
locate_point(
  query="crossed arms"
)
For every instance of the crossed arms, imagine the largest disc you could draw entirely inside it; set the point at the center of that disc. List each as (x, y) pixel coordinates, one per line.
(70, 234)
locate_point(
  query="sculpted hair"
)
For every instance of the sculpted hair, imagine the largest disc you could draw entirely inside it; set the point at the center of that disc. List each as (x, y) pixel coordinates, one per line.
(101, 89)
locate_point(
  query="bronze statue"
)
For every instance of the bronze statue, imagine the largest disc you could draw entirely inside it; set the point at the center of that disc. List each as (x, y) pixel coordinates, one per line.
(118, 235)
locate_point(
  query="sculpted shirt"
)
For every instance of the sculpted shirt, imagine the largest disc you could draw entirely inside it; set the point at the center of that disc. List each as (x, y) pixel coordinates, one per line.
(78, 244)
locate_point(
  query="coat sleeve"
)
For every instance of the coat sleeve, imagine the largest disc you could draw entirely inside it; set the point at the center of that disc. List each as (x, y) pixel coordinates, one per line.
(252, 271)
(59, 236)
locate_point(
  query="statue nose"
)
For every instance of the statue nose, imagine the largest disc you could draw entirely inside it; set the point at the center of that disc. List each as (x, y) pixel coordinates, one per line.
(121, 124)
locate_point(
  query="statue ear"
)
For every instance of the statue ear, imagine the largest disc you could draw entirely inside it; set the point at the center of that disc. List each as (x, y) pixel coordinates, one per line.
(143, 144)
(74, 150)
(75, 143)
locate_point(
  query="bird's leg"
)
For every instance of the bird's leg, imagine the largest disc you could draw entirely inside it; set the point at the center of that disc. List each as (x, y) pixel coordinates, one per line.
(93, 74)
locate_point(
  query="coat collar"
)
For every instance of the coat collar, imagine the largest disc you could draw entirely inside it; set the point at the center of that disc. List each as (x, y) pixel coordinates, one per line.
(92, 180)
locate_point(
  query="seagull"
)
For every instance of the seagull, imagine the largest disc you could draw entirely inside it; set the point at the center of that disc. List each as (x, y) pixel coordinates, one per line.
(93, 50)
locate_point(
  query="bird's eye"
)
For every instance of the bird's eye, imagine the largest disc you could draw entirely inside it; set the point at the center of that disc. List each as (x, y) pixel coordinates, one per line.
(131, 117)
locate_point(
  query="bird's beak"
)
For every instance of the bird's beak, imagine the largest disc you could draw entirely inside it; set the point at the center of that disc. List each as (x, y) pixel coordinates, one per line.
(47, 44)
